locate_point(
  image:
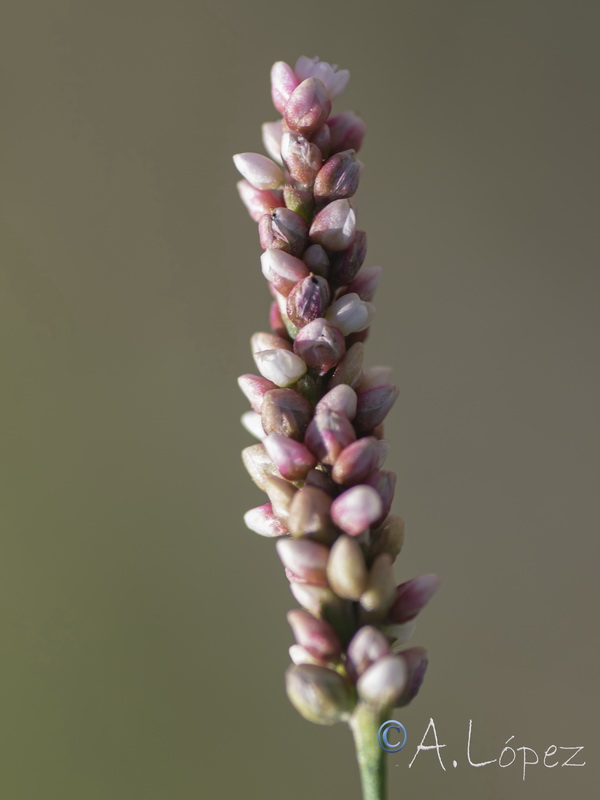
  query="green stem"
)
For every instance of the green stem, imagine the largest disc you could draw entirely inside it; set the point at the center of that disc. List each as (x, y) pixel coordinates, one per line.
(365, 724)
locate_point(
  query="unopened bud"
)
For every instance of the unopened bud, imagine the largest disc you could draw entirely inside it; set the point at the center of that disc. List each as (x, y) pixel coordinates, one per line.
(383, 682)
(322, 138)
(263, 521)
(305, 560)
(384, 482)
(315, 599)
(319, 694)
(399, 635)
(316, 260)
(338, 177)
(328, 433)
(302, 158)
(287, 412)
(365, 283)
(268, 341)
(412, 596)
(368, 645)
(389, 538)
(292, 459)
(346, 570)
(308, 107)
(334, 226)
(283, 83)
(280, 493)
(309, 513)
(357, 461)
(276, 321)
(299, 655)
(259, 171)
(321, 345)
(374, 376)
(255, 388)
(321, 480)
(308, 300)
(349, 313)
(350, 367)
(301, 201)
(355, 510)
(379, 594)
(315, 635)
(283, 229)
(259, 464)
(347, 131)
(341, 398)
(280, 366)
(345, 266)
(271, 137)
(415, 659)
(252, 423)
(374, 404)
(282, 270)
(258, 202)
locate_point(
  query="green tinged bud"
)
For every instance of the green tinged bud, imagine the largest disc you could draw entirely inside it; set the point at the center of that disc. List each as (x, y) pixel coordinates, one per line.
(319, 694)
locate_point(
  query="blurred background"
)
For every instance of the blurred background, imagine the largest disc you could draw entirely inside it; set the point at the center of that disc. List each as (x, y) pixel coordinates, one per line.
(143, 634)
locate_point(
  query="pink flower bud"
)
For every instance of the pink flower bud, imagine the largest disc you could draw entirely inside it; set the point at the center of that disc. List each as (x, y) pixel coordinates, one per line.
(349, 313)
(347, 131)
(334, 81)
(319, 694)
(263, 521)
(252, 423)
(384, 482)
(375, 376)
(383, 682)
(299, 655)
(356, 462)
(327, 435)
(345, 265)
(259, 170)
(280, 493)
(255, 388)
(334, 227)
(283, 229)
(321, 345)
(346, 570)
(415, 659)
(282, 270)
(280, 366)
(314, 598)
(338, 177)
(355, 510)
(308, 107)
(259, 464)
(349, 369)
(286, 412)
(268, 341)
(302, 158)
(276, 320)
(316, 260)
(292, 459)
(389, 538)
(367, 646)
(271, 137)
(258, 202)
(322, 138)
(412, 596)
(283, 83)
(309, 513)
(315, 635)
(305, 560)
(308, 300)
(374, 404)
(321, 480)
(341, 398)
(365, 283)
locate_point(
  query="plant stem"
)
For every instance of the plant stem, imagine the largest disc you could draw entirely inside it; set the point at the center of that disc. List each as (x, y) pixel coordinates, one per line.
(365, 724)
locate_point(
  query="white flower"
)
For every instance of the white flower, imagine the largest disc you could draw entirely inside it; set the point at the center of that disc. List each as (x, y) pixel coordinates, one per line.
(335, 82)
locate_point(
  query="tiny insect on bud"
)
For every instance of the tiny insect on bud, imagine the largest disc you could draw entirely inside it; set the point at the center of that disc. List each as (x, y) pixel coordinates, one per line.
(334, 226)
(319, 694)
(259, 171)
(321, 345)
(308, 107)
(356, 509)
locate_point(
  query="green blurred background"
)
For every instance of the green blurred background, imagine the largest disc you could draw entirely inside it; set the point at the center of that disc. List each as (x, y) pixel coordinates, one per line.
(143, 634)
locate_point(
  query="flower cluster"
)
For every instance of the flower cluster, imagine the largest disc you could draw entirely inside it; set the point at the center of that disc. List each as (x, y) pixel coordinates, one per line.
(318, 412)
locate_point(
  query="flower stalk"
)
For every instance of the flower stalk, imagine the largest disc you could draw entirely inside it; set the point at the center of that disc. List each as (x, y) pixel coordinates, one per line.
(319, 414)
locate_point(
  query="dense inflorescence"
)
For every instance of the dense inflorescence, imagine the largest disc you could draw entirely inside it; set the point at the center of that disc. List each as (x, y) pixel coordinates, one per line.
(319, 413)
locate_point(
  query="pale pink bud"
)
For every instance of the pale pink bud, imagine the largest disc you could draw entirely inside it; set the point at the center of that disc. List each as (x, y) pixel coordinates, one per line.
(259, 170)
(271, 137)
(356, 462)
(334, 227)
(347, 131)
(309, 513)
(305, 560)
(263, 521)
(282, 270)
(374, 404)
(315, 635)
(384, 482)
(316, 260)
(321, 345)
(379, 594)
(374, 376)
(346, 570)
(287, 412)
(308, 300)
(259, 465)
(399, 635)
(334, 80)
(322, 138)
(308, 107)
(321, 480)
(314, 599)
(416, 662)
(412, 596)
(341, 398)
(255, 388)
(345, 265)
(302, 158)
(299, 655)
(280, 366)
(349, 313)
(280, 493)
(252, 423)
(258, 202)
(283, 83)
(350, 367)
(268, 341)
(365, 283)
(276, 320)
(356, 509)
(283, 229)
(319, 694)
(383, 682)
(367, 646)
(327, 435)
(292, 459)
(338, 177)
